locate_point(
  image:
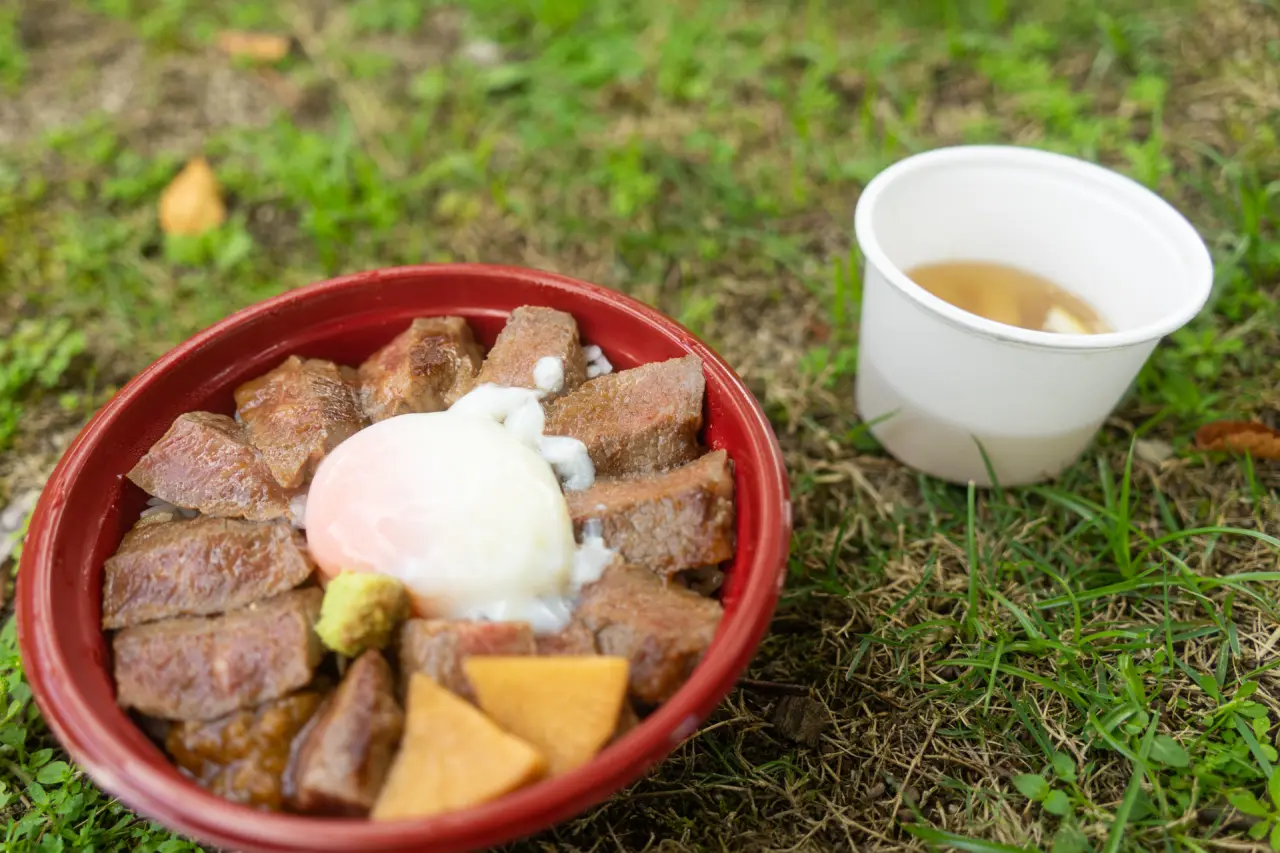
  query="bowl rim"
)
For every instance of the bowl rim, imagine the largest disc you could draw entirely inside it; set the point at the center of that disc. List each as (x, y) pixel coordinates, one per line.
(149, 790)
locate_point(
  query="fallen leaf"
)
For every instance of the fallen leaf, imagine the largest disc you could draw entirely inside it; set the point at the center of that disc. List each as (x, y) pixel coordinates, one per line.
(285, 91)
(1258, 440)
(801, 719)
(262, 47)
(192, 203)
(1153, 450)
(819, 331)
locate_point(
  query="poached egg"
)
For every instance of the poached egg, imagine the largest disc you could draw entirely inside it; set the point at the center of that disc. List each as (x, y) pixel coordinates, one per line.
(469, 517)
(463, 507)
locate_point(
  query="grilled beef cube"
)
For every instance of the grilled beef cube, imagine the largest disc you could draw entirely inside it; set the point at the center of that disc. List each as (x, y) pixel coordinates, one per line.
(243, 757)
(437, 648)
(663, 629)
(426, 368)
(574, 639)
(666, 522)
(199, 567)
(637, 421)
(193, 668)
(205, 462)
(297, 414)
(532, 334)
(343, 758)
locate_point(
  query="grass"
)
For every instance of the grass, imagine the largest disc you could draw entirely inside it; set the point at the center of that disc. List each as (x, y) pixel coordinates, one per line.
(1083, 666)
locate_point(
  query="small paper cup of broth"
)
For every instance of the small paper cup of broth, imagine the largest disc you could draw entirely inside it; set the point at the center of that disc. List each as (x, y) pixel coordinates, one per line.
(1079, 272)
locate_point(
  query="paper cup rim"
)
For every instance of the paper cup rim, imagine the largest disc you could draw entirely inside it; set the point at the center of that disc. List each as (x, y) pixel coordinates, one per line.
(1170, 220)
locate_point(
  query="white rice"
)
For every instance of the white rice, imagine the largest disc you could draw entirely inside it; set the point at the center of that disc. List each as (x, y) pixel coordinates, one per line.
(155, 506)
(298, 511)
(597, 364)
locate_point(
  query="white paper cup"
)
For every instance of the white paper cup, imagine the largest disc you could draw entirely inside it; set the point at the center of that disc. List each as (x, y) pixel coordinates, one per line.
(936, 382)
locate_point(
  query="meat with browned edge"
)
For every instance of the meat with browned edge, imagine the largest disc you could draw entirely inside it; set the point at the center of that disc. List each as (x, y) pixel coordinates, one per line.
(205, 462)
(195, 668)
(199, 566)
(437, 648)
(665, 522)
(531, 334)
(662, 629)
(573, 639)
(425, 368)
(343, 758)
(637, 421)
(243, 756)
(297, 414)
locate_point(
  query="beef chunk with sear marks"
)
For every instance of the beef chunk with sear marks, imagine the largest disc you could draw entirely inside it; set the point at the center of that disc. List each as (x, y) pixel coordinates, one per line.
(530, 335)
(205, 462)
(199, 566)
(296, 414)
(666, 522)
(661, 628)
(193, 668)
(637, 421)
(425, 368)
(343, 757)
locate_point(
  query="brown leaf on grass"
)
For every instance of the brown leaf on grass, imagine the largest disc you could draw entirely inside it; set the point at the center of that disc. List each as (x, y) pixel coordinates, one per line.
(192, 203)
(1258, 440)
(819, 331)
(261, 47)
(289, 95)
(801, 719)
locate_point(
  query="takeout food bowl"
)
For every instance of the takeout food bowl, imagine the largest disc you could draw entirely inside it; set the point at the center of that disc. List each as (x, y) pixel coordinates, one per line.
(88, 505)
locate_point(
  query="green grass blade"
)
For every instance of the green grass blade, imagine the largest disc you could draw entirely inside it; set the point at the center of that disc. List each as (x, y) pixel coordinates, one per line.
(971, 549)
(1120, 543)
(1116, 834)
(1247, 735)
(991, 682)
(960, 842)
(1047, 683)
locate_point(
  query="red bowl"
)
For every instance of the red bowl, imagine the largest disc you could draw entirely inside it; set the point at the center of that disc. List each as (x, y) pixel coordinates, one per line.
(88, 505)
